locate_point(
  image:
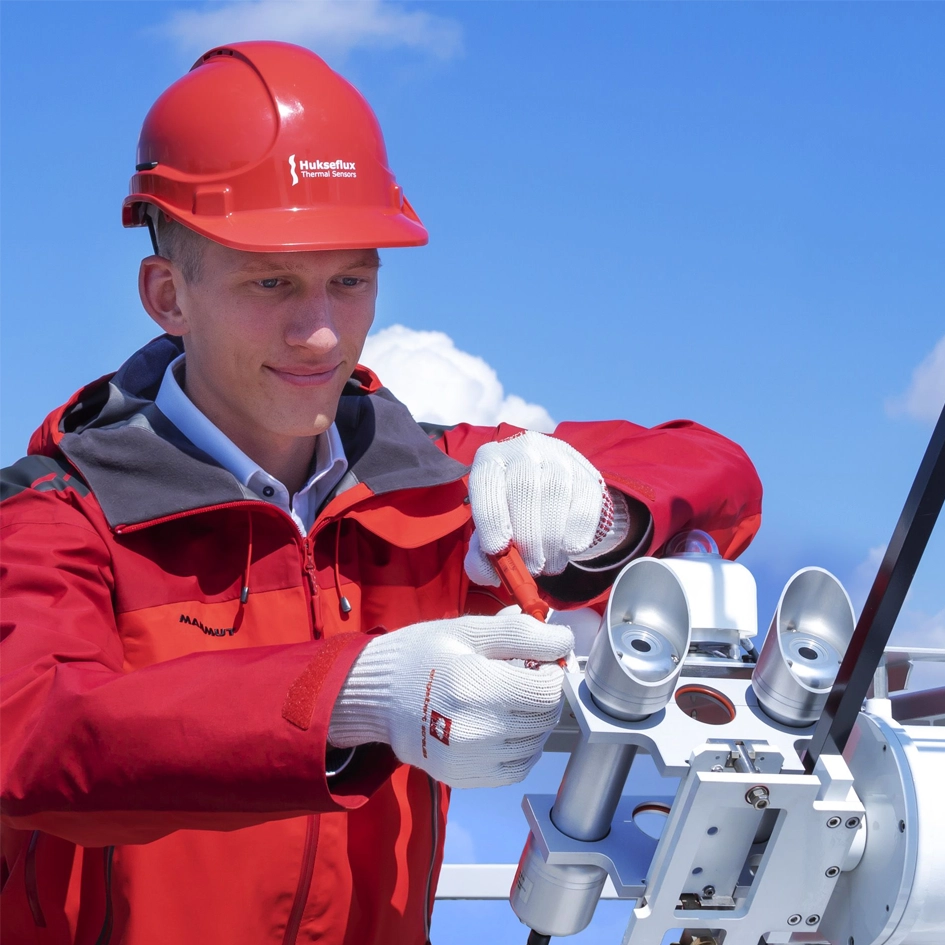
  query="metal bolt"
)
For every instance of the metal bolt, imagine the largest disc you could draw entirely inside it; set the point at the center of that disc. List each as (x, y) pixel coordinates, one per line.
(758, 797)
(717, 769)
(832, 871)
(813, 919)
(794, 919)
(853, 822)
(902, 826)
(834, 822)
(708, 892)
(619, 654)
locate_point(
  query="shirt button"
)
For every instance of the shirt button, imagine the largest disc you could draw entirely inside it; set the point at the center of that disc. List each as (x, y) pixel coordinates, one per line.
(269, 492)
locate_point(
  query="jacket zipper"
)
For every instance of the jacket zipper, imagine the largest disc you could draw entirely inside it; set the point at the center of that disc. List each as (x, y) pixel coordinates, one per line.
(32, 887)
(105, 935)
(308, 564)
(306, 545)
(305, 882)
(311, 833)
(428, 899)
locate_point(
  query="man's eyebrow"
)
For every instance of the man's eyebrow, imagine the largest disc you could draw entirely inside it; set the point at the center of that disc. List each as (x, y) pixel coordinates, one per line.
(369, 260)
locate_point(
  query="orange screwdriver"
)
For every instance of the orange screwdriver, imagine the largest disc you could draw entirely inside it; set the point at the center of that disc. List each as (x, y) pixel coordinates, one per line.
(521, 585)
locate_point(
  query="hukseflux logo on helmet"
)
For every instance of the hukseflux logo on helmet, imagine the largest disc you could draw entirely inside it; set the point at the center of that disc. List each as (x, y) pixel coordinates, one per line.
(337, 168)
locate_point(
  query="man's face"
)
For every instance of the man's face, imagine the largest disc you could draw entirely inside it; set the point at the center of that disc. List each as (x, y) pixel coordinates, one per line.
(271, 338)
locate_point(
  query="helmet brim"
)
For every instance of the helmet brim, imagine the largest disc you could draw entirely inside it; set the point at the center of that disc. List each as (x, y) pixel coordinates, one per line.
(296, 230)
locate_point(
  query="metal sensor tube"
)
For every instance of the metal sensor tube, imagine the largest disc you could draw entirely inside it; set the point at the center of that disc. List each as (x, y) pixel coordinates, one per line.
(809, 634)
(560, 900)
(631, 673)
(590, 789)
(638, 653)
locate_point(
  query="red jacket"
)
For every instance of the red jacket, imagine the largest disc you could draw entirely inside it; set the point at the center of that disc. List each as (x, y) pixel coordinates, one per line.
(165, 735)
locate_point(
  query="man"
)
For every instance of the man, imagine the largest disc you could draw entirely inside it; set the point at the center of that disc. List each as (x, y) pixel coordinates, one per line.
(210, 732)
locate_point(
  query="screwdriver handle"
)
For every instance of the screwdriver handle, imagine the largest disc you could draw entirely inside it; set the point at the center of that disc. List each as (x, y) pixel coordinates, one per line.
(519, 583)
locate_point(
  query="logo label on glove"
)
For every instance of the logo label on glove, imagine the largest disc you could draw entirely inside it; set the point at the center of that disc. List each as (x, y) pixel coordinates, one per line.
(440, 727)
(336, 168)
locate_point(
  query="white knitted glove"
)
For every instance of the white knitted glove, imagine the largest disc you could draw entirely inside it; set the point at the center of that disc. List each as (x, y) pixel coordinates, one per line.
(545, 496)
(441, 696)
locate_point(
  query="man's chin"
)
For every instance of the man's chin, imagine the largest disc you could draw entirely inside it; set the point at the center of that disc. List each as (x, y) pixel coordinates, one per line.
(303, 428)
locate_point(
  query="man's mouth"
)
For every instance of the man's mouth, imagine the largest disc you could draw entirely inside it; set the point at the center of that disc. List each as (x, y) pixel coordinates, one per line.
(304, 376)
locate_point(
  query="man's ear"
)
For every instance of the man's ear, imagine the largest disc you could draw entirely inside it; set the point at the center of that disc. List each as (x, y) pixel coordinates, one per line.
(159, 283)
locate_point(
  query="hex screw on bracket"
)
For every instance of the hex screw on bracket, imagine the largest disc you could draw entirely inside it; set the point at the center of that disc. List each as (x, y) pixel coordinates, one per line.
(758, 797)
(853, 822)
(832, 871)
(834, 822)
(708, 892)
(813, 919)
(794, 919)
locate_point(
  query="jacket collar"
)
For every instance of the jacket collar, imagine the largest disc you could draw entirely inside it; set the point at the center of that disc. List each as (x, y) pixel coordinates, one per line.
(142, 468)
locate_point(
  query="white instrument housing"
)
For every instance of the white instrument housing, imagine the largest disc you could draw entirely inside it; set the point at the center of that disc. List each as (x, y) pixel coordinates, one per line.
(754, 849)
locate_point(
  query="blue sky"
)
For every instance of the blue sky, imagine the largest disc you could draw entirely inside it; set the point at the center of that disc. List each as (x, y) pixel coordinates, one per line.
(729, 212)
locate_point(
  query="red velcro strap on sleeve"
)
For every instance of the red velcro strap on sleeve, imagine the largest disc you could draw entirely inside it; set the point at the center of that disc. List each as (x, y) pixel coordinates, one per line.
(299, 705)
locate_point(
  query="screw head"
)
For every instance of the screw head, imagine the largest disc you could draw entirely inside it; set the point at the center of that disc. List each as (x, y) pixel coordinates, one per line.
(708, 892)
(832, 871)
(902, 826)
(853, 822)
(813, 919)
(794, 919)
(758, 797)
(834, 822)
(717, 769)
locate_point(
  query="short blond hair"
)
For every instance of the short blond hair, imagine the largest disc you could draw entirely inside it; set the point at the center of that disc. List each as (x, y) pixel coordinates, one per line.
(180, 245)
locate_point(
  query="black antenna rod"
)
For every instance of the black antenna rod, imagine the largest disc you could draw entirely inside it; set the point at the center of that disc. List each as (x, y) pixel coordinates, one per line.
(885, 600)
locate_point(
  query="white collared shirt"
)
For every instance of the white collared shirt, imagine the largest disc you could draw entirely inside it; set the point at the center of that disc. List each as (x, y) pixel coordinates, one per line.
(330, 460)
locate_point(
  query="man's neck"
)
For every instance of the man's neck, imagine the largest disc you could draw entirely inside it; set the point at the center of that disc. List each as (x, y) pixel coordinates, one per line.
(290, 463)
(286, 458)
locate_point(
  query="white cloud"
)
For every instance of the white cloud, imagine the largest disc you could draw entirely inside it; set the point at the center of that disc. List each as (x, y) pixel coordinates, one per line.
(913, 627)
(858, 587)
(926, 394)
(330, 27)
(441, 384)
(917, 628)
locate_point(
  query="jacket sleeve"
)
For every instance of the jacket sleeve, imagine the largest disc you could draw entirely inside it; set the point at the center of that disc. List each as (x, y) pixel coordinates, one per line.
(102, 756)
(684, 474)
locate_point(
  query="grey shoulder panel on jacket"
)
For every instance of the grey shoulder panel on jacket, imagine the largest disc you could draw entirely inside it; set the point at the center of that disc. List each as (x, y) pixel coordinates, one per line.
(387, 449)
(42, 474)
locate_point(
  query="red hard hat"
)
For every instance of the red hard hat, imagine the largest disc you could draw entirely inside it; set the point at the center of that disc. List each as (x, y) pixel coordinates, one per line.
(263, 147)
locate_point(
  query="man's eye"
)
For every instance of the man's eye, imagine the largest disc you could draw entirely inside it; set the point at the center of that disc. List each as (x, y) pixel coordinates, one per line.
(350, 281)
(269, 283)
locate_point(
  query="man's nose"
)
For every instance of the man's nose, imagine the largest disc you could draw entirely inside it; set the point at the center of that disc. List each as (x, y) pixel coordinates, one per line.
(312, 323)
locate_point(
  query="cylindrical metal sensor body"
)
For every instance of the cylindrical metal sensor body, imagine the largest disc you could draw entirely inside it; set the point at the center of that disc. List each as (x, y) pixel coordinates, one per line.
(631, 673)
(554, 900)
(590, 789)
(809, 634)
(644, 638)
